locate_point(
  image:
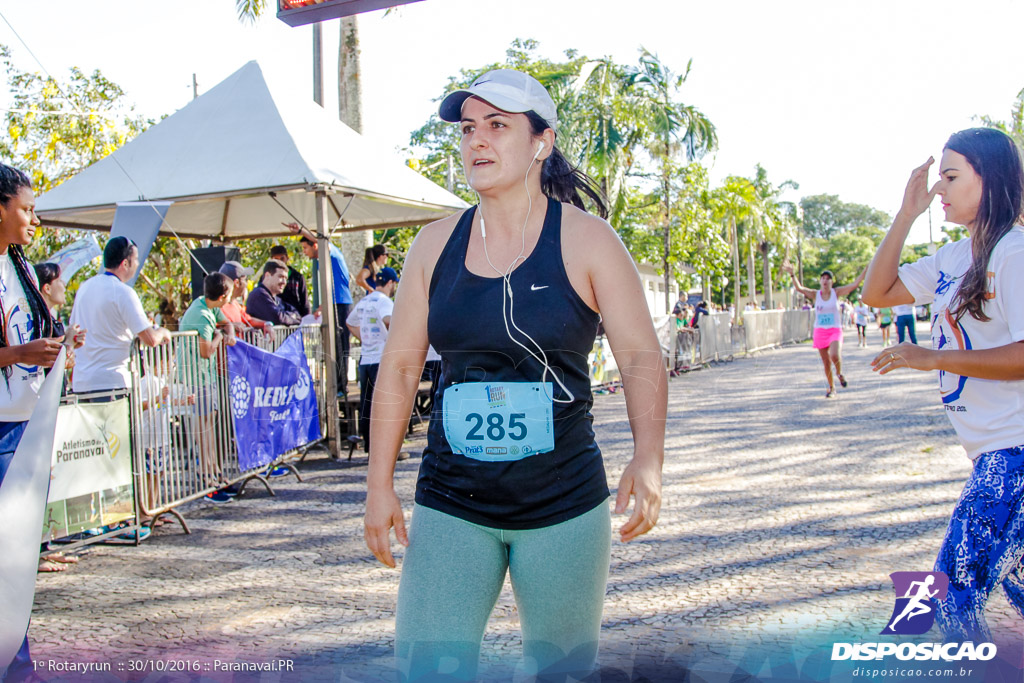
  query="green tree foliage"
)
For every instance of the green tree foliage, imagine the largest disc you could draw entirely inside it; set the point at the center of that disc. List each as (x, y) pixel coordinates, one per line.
(913, 252)
(845, 254)
(953, 233)
(1015, 126)
(825, 215)
(736, 205)
(55, 128)
(624, 126)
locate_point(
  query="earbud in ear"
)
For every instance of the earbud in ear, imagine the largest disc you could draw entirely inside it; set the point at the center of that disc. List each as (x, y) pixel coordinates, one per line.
(540, 147)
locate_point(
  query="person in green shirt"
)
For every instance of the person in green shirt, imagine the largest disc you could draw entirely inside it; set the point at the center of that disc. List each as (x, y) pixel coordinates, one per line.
(884, 321)
(200, 375)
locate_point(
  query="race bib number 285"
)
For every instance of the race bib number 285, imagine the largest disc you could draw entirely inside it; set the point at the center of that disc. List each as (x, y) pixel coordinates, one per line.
(499, 421)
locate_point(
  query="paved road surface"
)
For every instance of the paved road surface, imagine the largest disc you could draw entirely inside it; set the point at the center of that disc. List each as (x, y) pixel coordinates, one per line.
(784, 513)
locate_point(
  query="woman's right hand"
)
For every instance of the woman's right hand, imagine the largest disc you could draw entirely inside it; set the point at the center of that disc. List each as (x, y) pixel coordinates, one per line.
(917, 197)
(41, 352)
(383, 511)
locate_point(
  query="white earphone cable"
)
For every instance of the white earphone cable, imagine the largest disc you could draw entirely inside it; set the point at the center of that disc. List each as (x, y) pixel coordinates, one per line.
(506, 277)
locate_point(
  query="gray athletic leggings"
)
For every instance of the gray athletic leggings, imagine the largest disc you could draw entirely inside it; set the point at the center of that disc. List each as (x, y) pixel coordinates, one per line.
(451, 578)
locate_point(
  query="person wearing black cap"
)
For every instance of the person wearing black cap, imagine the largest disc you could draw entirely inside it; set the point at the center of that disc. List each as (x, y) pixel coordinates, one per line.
(369, 322)
(510, 293)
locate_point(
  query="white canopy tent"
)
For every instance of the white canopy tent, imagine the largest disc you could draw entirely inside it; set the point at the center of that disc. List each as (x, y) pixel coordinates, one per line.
(219, 158)
(238, 161)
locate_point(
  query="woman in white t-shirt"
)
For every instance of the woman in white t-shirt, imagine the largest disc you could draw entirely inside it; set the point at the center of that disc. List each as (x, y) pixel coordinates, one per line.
(974, 287)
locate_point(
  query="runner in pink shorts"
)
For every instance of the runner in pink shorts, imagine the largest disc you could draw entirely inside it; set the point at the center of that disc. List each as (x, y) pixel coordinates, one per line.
(828, 325)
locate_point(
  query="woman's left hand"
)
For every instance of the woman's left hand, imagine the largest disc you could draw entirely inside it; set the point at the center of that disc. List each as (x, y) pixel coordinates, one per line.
(69, 359)
(641, 479)
(905, 355)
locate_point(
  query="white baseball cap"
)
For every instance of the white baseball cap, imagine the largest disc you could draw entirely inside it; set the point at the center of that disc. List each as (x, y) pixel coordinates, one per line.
(506, 89)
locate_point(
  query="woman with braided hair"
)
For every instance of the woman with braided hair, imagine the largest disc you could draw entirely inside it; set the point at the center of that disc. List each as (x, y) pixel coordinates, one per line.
(27, 347)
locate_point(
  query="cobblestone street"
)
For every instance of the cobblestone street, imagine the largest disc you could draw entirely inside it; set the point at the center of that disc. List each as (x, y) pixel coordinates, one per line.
(783, 515)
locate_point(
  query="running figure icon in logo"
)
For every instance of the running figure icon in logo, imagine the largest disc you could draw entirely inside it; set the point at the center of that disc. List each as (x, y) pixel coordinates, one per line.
(914, 593)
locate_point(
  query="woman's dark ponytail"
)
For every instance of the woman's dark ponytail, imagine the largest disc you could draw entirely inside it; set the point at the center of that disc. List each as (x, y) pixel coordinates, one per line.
(372, 254)
(563, 182)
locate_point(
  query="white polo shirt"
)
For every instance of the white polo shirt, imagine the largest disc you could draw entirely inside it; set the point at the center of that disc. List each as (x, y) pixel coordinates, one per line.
(111, 314)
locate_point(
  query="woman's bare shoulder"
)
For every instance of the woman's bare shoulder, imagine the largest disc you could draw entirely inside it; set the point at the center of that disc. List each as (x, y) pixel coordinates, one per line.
(601, 240)
(427, 247)
(430, 240)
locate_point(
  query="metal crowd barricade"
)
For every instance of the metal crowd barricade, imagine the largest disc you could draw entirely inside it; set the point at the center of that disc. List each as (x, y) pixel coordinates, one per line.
(684, 354)
(183, 434)
(125, 525)
(767, 329)
(715, 338)
(721, 340)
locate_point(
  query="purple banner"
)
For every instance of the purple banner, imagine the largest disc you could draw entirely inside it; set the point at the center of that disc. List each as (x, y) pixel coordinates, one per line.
(272, 401)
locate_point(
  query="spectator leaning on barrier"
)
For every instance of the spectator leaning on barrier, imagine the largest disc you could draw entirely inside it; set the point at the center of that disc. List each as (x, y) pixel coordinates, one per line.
(342, 296)
(232, 310)
(679, 311)
(369, 322)
(203, 316)
(111, 312)
(295, 293)
(264, 300)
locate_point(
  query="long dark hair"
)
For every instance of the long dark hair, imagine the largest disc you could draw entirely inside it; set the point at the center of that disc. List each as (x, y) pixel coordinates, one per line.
(11, 183)
(993, 156)
(562, 181)
(372, 254)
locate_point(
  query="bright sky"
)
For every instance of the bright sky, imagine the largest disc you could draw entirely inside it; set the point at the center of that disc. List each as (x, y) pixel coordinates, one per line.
(842, 97)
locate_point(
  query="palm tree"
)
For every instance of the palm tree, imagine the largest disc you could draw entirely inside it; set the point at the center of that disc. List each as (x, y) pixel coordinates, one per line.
(670, 126)
(608, 131)
(772, 226)
(350, 109)
(733, 203)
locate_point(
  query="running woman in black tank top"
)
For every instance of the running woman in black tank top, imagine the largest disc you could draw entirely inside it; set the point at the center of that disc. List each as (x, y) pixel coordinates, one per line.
(510, 294)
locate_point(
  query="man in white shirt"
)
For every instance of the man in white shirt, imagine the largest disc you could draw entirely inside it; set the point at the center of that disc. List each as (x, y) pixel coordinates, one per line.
(369, 322)
(112, 313)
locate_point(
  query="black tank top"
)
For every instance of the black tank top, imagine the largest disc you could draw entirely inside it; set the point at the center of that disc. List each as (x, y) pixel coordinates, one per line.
(465, 325)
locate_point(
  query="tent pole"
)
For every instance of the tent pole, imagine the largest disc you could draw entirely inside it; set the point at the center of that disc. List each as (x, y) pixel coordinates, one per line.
(328, 315)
